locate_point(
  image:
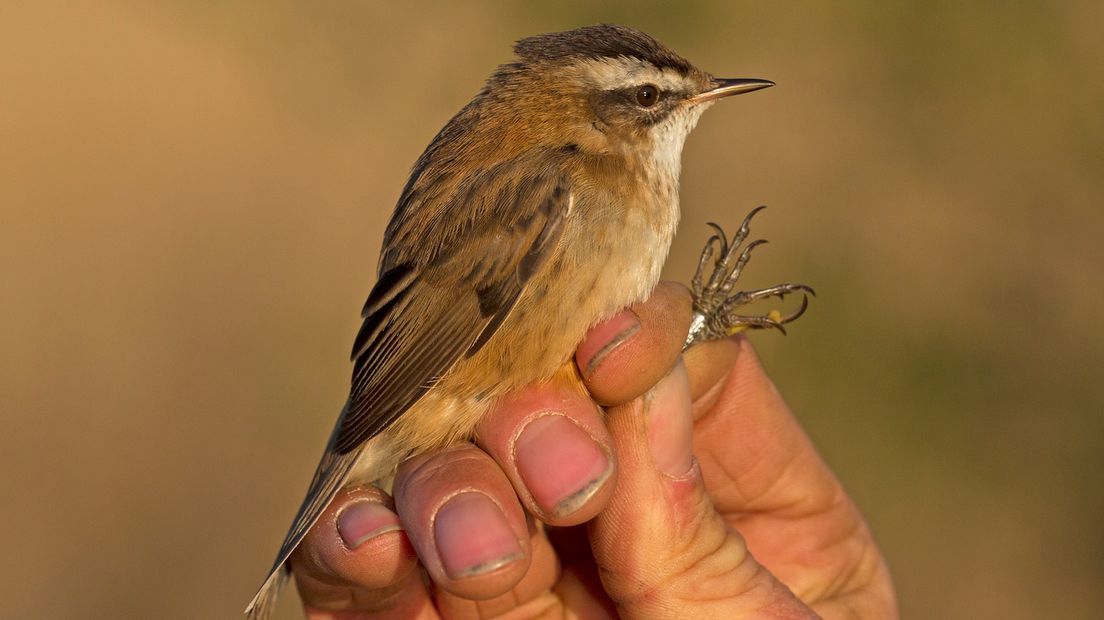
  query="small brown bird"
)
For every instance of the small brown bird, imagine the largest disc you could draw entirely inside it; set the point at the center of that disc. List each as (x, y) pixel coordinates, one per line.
(544, 206)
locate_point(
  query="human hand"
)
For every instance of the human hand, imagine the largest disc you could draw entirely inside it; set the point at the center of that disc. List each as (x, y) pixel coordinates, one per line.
(669, 535)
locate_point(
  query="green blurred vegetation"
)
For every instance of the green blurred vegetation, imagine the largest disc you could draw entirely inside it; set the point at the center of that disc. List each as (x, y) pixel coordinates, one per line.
(193, 196)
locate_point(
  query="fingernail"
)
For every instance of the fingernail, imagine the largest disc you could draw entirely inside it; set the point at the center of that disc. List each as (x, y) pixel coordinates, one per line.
(604, 338)
(671, 423)
(364, 520)
(473, 536)
(560, 464)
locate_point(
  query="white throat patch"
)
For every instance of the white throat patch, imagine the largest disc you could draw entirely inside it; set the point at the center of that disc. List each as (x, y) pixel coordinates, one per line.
(669, 136)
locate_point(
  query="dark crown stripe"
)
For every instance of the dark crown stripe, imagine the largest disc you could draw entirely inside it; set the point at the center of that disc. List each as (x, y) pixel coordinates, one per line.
(603, 41)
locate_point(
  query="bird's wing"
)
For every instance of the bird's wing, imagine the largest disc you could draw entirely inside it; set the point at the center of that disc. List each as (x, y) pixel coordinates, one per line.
(419, 320)
(430, 309)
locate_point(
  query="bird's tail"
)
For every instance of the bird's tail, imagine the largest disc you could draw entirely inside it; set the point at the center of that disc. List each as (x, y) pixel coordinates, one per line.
(265, 601)
(330, 476)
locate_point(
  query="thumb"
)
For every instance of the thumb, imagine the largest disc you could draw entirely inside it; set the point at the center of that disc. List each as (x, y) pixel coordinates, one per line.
(662, 549)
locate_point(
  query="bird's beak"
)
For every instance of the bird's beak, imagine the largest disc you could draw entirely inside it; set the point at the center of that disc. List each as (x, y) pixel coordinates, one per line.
(725, 87)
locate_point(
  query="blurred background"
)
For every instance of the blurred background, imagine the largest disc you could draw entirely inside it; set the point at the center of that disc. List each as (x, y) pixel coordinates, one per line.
(192, 196)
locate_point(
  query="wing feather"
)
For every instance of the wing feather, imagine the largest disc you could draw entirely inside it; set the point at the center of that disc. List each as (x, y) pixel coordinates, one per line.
(451, 307)
(430, 307)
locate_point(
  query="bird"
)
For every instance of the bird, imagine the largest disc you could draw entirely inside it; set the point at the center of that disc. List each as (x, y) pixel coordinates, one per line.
(545, 205)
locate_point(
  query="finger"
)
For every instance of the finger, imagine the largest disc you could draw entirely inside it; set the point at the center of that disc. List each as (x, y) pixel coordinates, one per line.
(768, 481)
(623, 357)
(357, 558)
(464, 520)
(748, 441)
(683, 561)
(708, 364)
(551, 441)
(532, 597)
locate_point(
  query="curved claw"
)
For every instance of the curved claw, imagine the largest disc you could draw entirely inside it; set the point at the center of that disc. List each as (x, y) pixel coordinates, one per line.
(720, 242)
(769, 322)
(720, 235)
(751, 246)
(797, 313)
(746, 224)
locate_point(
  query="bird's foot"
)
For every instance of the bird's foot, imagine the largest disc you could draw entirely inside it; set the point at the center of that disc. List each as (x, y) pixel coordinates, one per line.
(715, 303)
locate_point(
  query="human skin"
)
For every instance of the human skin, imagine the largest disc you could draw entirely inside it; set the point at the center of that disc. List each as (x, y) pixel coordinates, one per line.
(701, 497)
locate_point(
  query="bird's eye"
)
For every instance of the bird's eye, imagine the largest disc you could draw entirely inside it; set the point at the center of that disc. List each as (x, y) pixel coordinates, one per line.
(647, 95)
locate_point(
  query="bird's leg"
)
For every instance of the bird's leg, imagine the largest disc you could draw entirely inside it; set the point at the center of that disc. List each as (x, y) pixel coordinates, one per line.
(715, 304)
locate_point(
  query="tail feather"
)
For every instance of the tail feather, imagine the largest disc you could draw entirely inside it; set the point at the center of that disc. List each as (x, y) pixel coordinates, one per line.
(264, 602)
(330, 476)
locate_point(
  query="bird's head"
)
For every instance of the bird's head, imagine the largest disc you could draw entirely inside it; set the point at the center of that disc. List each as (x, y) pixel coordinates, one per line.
(603, 89)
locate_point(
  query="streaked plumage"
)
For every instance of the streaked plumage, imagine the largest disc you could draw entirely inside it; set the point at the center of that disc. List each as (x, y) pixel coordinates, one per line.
(544, 206)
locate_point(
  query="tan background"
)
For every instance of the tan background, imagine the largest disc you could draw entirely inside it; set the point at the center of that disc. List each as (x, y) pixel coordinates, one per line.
(192, 199)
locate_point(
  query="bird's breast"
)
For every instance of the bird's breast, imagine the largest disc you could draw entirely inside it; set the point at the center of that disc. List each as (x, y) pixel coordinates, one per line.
(610, 256)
